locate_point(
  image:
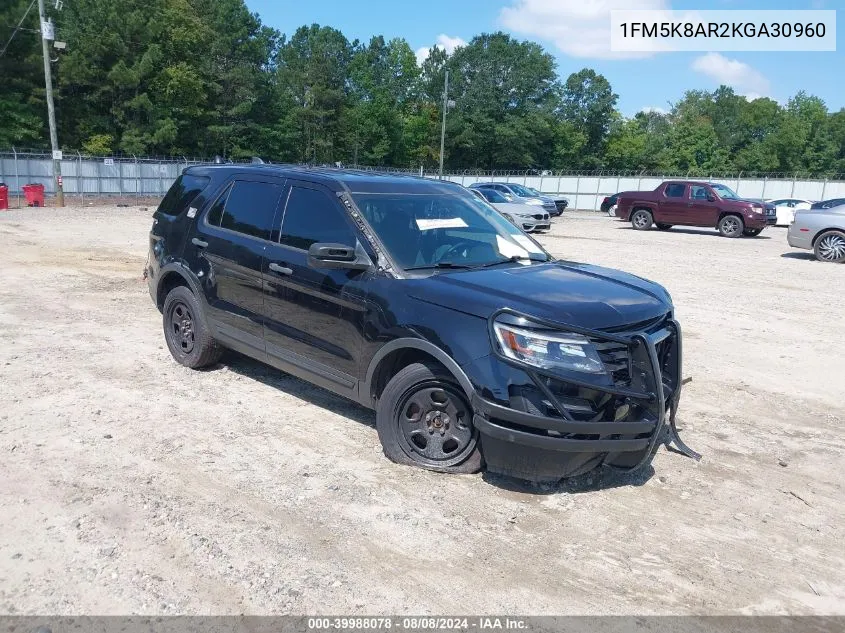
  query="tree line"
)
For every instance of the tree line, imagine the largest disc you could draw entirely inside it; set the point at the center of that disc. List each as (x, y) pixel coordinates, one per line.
(206, 77)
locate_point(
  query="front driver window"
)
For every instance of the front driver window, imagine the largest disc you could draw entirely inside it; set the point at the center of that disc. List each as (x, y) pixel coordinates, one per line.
(311, 216)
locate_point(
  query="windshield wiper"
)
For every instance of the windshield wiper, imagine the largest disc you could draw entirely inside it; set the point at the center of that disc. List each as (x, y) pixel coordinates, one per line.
(440, 265)
(512, 259)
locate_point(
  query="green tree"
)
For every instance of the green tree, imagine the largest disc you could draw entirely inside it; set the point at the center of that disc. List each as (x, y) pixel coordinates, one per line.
(589, 104)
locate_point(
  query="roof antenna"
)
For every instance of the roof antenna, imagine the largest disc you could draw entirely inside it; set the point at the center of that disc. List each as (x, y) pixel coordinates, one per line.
(257, 161)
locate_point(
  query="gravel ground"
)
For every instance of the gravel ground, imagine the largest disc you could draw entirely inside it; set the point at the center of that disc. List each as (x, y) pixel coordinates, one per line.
(133, 485)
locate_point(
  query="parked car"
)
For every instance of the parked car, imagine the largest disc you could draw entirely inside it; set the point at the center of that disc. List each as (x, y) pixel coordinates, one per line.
(518, 193)
(828, 204)
(525, 216)
(471, 342)
(821, 231)
(561, 202)
(786, 208)
(608, 205)
(692, 203)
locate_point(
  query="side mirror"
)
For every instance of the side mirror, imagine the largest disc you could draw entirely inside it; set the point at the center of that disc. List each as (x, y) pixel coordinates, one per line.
(329, 255)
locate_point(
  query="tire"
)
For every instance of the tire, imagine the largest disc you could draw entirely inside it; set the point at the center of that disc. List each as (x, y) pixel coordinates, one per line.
(186, 331)
(752, 232)
(830, 247)
(611, 211)
(664, 227)
(424, 419)
(641, 220)
(731, 226)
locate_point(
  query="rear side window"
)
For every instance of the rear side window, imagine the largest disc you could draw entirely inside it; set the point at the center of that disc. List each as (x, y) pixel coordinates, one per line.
(675, 190)
(182, 193)
(247, 207)
(311, 216)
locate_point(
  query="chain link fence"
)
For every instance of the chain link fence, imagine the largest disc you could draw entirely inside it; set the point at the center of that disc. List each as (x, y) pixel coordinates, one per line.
(131, 179)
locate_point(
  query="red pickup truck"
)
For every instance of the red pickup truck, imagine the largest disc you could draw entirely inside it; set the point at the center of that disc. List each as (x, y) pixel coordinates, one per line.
(692, 203)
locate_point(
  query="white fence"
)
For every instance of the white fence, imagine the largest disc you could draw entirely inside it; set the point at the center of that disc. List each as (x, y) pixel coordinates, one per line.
(587, 191)
(151, 177)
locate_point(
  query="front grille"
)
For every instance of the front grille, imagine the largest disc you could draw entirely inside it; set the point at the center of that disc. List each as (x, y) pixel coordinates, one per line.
(616, 357)
(538, 216)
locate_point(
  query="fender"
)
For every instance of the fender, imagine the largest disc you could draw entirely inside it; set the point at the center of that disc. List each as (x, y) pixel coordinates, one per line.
(178, 267)
(422, 345)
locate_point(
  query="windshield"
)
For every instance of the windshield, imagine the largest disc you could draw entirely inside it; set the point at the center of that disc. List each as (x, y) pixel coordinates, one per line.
(443, 230)
(725, 192)
(522, 192)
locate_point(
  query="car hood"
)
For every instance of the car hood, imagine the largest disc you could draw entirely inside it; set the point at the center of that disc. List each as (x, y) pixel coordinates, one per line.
(568, 292)
(515, 208)
(757, 202)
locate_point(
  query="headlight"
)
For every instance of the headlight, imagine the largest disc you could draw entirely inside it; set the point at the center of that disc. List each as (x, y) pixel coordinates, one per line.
(548, 349)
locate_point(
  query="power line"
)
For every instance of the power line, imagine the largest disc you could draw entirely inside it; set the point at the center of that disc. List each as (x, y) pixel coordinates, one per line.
(17, 28)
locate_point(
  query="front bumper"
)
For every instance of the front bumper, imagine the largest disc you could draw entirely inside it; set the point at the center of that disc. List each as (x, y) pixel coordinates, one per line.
(568, 439)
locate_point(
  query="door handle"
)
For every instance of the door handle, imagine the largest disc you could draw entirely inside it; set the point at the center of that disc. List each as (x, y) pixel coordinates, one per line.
(198, 242)
(282, 270)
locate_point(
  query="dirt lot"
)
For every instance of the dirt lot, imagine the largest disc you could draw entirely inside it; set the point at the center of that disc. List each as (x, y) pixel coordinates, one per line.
(131, 485)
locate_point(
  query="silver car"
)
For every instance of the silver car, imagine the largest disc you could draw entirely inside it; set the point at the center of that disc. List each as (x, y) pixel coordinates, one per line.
(821, 231)
(525, 216)
(517, 193)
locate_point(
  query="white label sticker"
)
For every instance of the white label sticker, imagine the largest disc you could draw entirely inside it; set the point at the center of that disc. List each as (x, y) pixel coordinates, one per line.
(192, 212)
(440, 223)
(509, 249)
(527, 243)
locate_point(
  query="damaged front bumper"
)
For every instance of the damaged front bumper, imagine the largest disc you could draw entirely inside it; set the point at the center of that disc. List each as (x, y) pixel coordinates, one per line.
(549, 426)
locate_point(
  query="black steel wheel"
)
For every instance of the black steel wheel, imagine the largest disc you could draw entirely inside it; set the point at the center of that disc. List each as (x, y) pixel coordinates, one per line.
(641, 220)
(185, 330)
(731, 226)
(424, 419)
(830, 247)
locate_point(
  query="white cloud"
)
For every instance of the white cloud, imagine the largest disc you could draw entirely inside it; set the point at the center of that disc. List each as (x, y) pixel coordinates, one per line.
(444, 42)
(580, 28)
(734, 73)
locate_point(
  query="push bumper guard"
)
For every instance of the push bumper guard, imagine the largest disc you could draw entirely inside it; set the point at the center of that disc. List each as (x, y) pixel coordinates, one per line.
(543, 448)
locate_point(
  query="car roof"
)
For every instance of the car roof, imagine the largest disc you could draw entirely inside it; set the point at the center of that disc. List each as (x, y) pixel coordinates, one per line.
(336, 179)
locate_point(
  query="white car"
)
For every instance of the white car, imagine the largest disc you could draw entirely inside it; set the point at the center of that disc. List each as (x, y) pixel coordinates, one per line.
(786, 208)
(525, 216)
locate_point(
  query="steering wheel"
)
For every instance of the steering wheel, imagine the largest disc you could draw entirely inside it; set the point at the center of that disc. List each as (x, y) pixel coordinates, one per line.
(445, 256)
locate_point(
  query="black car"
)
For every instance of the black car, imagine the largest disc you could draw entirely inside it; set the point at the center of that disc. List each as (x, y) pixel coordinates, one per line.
(828, 204)
(413, 298)
(608, 203)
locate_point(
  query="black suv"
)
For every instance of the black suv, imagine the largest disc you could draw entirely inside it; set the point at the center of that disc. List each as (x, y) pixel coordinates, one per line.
(415, 298)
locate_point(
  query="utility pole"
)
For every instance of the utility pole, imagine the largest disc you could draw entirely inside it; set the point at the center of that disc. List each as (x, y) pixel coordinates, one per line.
(443, 125)
(46, 36)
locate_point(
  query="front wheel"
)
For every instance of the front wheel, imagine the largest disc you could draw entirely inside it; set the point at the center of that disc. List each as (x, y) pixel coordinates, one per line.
(731, 226)
(830, 247)
(611, 211)
(752, 232)
(641, 220)
(424, 419)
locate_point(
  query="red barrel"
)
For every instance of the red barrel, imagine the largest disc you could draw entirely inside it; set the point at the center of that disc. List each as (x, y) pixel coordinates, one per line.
(34, 195)
(4, 197)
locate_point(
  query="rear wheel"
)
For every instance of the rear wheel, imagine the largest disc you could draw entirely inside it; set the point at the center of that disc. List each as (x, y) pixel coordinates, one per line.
(424, 419)
(731, 226)
(664, 227)
(752, 232)
(830, 247)
(611, 211)
(641, 220)
(186, 332)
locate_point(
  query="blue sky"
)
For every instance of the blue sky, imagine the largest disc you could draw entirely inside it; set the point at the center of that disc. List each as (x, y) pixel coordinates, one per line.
(571, 31)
